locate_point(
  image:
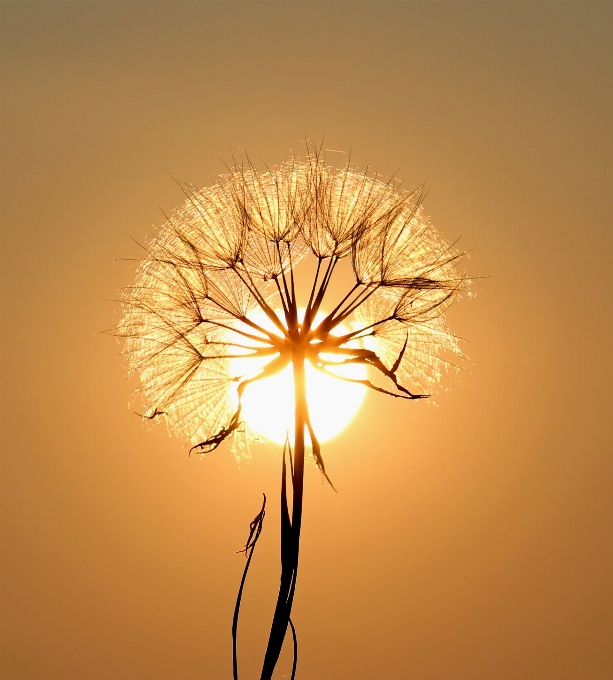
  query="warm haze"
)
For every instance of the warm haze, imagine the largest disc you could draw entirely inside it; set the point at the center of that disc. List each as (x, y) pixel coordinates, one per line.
(470, 540)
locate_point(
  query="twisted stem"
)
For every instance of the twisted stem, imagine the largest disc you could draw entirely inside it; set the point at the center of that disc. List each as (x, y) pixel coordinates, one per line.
(290, 528)
(255, 529)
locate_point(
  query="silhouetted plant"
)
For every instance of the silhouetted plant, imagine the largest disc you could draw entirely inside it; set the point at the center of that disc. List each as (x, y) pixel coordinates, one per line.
(228, 256)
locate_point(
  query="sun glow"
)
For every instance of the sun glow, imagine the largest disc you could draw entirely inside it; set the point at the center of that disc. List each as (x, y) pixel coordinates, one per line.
(268, 404)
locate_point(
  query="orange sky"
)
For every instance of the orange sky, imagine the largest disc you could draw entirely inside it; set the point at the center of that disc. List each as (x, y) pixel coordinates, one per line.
(468, 541)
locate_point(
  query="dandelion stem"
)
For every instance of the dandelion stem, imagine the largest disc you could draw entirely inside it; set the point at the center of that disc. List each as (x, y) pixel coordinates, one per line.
(295, 641)
(255, 530)
(290, 530)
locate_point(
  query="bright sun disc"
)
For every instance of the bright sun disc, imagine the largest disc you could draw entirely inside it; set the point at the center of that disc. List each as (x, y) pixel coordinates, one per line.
(268, 404)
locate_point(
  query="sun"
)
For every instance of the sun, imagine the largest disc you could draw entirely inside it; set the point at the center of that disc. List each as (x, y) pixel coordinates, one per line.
(268, 405)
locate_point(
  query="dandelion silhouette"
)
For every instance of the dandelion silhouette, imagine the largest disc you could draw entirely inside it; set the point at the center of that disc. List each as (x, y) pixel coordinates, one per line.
(226, 259)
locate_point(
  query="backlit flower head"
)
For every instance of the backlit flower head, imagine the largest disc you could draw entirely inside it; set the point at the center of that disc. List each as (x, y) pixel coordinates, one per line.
(229, 257)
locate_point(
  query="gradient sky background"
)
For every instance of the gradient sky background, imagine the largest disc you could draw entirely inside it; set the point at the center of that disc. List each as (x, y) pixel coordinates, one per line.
(469, 541)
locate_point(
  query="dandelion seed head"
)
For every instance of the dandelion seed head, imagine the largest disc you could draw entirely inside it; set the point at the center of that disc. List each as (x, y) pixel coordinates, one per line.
(229, 253)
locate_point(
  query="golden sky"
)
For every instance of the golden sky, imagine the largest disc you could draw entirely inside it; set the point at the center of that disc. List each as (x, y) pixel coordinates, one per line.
(468, 541)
